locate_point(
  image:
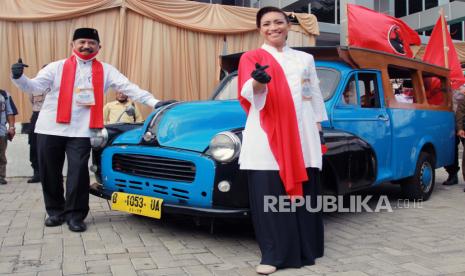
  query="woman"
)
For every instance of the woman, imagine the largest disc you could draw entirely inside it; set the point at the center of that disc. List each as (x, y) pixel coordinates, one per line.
(278, 88)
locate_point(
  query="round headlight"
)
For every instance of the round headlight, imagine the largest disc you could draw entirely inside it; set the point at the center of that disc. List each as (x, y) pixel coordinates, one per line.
(99, 138)
(225, 146)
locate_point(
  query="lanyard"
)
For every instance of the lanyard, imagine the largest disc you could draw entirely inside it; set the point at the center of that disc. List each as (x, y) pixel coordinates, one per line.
(81, 76)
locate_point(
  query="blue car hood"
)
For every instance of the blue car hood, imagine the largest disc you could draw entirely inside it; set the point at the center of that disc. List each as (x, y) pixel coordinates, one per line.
(192, 125)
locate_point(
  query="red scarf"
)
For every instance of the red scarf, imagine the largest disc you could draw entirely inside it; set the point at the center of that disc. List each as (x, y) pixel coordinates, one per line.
(278, 120)
(65, 98)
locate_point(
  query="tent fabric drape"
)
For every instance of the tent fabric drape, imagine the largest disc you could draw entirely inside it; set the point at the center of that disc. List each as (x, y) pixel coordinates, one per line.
(33, 10)
(191, 15)
(168, 47)
(308, 22)
(197, 16)
(173, 63)
(208, 18)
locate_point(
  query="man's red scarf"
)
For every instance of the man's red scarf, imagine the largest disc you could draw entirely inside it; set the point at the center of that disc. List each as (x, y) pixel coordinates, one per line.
(65, 98)
(278, 119)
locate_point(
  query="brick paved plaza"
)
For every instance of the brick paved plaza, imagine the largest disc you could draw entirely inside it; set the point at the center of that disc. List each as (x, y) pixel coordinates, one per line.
(409, 241)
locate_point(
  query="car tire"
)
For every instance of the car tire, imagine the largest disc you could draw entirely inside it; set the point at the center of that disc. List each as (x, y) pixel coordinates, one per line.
(421, 184)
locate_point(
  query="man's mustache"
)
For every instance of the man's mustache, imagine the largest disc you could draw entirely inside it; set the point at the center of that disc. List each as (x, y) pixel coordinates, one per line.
(86, 50)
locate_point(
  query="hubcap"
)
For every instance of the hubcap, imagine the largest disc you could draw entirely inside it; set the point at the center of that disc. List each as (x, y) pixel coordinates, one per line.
(426, 176)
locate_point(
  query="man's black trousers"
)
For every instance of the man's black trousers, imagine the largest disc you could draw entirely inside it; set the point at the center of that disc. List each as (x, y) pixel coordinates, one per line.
(33, 143)
(52, 150)
(454, 167)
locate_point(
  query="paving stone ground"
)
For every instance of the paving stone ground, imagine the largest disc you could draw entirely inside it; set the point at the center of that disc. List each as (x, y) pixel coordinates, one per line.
(414, 239)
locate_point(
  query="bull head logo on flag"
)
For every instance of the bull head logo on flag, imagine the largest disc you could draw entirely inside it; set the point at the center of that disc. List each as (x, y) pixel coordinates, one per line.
(395, 39)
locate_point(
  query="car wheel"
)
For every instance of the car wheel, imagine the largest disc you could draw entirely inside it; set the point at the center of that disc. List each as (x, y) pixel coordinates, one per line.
(421, 184)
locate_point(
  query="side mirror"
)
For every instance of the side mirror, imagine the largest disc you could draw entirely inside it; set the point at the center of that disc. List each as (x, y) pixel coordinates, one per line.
(131, 111)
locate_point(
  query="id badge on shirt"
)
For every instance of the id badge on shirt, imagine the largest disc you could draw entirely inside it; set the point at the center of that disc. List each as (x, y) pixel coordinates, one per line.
(306, 86)
(37, 98)
(85, 96)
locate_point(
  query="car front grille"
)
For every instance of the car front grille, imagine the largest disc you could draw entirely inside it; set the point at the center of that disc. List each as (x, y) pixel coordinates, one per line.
(154, 167)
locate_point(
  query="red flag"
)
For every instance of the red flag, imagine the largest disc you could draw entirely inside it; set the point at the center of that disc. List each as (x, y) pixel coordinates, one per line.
(434, 53)
(377, 31)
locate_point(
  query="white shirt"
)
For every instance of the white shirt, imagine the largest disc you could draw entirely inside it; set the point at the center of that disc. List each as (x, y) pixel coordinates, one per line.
(402, 98)
(50, 77)
(298, 67)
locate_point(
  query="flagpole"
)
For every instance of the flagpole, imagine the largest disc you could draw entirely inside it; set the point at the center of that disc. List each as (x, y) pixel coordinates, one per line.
(446, 47)
(344, 35)
(346, 7)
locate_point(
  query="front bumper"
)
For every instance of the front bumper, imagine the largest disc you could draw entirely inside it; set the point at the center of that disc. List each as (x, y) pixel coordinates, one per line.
(99, 191)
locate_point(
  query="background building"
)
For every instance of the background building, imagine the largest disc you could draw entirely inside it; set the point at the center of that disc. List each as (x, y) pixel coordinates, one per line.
(421, 15)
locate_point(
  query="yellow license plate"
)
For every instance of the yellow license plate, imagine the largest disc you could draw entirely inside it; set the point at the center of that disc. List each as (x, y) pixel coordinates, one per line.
(137, 204)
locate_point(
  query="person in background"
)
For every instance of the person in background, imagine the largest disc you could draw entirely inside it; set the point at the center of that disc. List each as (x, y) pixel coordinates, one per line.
(8, 112)
(458, 100)
(433, 92)
(349, 94)
(115, 111)
(37, 99)
(282, 144)
(72, 111)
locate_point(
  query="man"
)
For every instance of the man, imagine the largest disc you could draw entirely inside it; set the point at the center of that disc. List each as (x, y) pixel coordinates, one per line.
(37, 99)
(115, 112)
(72, 110)
(7, 115)
(459, 108)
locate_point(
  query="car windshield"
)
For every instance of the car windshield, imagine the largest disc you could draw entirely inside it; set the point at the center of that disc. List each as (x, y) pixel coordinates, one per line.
(329, 78)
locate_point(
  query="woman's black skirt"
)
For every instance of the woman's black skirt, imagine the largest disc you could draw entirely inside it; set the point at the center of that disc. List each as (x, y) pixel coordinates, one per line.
(286, 237)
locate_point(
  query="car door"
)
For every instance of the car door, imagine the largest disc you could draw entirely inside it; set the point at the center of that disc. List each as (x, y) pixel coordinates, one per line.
(360, 110)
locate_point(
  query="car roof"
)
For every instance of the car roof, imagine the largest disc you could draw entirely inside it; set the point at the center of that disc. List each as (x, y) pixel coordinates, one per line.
(352, 56)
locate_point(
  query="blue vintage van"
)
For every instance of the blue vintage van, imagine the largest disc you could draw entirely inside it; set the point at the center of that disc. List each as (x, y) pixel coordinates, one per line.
(383, 127)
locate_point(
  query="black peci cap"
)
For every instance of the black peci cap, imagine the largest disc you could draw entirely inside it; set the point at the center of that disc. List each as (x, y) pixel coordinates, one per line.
(86, 33)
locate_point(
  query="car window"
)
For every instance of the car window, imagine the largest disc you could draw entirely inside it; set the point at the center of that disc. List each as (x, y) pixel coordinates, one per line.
(329, 78)
(435, 89)
(368, 93)
(402, 81)
(349, 96)
(368, 89)
(229, 90)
